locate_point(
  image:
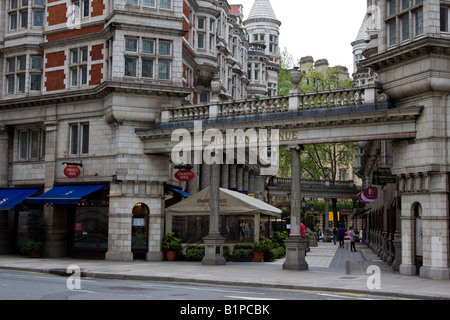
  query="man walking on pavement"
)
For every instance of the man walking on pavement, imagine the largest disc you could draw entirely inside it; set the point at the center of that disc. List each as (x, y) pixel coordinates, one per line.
(341, 236)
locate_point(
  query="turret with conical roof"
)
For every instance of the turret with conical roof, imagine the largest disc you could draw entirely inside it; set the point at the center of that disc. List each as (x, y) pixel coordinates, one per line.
(263, 28)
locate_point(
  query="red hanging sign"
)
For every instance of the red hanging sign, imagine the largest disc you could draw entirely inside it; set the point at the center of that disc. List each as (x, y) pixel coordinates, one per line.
(72, 171)
(184, 175)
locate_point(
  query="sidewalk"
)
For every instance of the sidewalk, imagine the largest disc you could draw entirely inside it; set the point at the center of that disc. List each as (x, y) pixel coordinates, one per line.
(330, 269)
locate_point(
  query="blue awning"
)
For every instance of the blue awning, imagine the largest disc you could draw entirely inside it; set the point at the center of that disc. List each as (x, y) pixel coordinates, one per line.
(183, 193)
(9, 198)
(64, 194)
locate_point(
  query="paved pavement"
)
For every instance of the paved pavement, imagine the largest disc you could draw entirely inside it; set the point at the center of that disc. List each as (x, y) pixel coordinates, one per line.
(330, 269)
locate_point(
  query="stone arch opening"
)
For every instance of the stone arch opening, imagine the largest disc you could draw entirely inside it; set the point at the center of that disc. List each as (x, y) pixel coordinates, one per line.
(139, 230)
(417, 212)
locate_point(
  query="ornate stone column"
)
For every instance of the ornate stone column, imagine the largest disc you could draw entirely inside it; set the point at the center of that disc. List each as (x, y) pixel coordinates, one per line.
(233, 177)
(214, 241)
(295, 244)
(224, 180)
(326, 231)
(240, 178)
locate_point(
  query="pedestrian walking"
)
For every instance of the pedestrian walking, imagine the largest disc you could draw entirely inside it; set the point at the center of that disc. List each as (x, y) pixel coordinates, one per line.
(352, 239)
(334, 235)
(341, 236)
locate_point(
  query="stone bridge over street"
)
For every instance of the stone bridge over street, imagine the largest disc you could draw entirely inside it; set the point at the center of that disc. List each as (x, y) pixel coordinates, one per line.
(346, 115)
(356, 114)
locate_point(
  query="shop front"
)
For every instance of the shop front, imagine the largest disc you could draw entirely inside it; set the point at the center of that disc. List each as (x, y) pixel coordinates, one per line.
(78, 220)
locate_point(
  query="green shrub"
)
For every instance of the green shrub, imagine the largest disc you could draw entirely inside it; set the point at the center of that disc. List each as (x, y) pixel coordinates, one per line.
(238, 253)
(195, 253)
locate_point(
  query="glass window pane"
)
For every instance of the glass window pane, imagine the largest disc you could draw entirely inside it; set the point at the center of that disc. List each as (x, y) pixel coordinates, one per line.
(405, 4)
(36, 82)
(130, 45)
(34, 147)
(85, 139)
(165, 48)
(133, 2)
(130, 67)
(149, 3)
(11, 82)
(74, 139)
(86, 8)
(36, 62)
(148, 46)
(23, 145)
(22, 63)
(405, 28)
(24, 19)
(392, 33)
(13, 21)
(11, 65)
(84, 75)
(166, 4)
(84, 54)
(38, 18)
(444, 19)
(164, 70)
(392, 7)
(21, 82)
(74, 55)
(147, 68)
(74, 77)
(419, 22)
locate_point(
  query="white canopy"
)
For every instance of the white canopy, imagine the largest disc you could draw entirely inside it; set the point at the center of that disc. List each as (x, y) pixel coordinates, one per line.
(231, 202)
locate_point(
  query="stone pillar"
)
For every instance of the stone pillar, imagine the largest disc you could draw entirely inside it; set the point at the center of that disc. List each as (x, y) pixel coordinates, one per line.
(224, 180)
(4, 156)
(205, 177)
(55, 217)
(246, 179)
(232, 177)
(240, 178)
(251, 183)
(259, 187)
(4, 231)
(295, 244)
(156, 221)
(193, 185)
(327, 235)
(214, 241)
(119, 224)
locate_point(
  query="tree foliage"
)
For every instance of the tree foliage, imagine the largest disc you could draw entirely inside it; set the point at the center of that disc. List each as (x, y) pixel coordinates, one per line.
(320, 161)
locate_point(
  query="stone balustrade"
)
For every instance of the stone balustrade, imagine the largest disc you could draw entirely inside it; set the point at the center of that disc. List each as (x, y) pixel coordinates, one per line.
(292, 101)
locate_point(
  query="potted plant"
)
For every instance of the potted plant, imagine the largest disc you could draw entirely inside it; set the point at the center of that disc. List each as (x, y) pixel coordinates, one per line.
(258, 252)
(34, 246)
(267, 249)
(172, 246)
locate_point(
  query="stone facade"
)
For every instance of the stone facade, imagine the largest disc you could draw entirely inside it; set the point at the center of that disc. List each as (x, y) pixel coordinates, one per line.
(407, 49)
(78, 78)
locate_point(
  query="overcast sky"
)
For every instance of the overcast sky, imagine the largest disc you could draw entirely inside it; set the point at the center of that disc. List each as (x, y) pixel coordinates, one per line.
(319, 28)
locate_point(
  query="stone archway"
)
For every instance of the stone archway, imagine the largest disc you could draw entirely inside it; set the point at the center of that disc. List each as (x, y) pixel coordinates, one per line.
(417, 213)
(139, 230)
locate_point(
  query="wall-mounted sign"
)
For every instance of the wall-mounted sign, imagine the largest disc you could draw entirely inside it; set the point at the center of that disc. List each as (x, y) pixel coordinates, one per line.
(72, 171)
(184, 175)
(383, 176)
